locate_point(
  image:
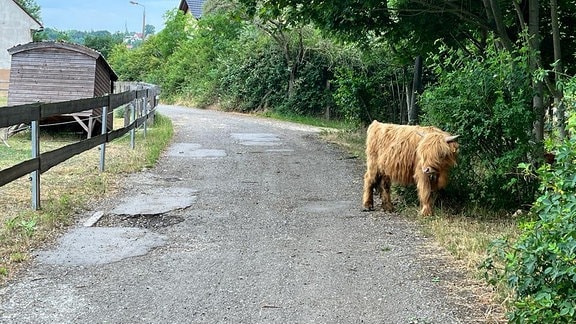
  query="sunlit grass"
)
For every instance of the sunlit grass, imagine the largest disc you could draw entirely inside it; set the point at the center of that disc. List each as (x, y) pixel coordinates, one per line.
(307, 120)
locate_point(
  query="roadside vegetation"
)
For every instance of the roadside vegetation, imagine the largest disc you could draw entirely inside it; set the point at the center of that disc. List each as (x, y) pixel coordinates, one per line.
(66, 189)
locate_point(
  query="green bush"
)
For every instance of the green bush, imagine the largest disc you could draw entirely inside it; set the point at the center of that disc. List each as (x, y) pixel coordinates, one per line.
(253, 79)
(363, 87)
(540, 266)
(486, 100)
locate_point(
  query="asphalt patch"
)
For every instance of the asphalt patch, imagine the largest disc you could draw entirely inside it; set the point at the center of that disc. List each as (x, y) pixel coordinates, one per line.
(97, 245)
(193, 150)
(156, 201)
(257, 139)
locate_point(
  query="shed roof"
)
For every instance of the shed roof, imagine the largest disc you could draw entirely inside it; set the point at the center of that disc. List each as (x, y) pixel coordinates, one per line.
(194, 6)
(67, 46)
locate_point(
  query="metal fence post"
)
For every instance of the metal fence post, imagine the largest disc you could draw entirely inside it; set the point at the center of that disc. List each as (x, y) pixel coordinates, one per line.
(145, 112)
(104, 131)
(133, 130)
(35, 175)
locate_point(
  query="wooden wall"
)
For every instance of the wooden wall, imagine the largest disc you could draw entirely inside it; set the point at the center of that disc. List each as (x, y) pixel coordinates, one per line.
(50, 75)
(103, 86)
(56, 72)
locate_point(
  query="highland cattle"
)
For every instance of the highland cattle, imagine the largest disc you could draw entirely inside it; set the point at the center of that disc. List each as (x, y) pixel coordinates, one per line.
(406, 155)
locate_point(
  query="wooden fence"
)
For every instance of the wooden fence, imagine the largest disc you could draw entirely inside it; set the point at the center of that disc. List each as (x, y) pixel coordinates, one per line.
(142, 100)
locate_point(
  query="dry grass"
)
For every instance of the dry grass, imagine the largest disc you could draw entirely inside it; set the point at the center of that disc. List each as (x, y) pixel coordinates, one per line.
(65, 189)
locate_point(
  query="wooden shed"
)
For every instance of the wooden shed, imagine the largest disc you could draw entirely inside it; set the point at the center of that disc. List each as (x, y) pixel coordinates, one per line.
(59, 71)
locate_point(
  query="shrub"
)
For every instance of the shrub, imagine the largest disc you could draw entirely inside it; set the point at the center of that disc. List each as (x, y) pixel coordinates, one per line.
(540, 266)
(255, 79)
(486, 100)
(370, 87)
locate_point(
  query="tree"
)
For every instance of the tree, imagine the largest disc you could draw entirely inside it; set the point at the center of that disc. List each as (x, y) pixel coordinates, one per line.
(103, 42)
(150, 30)
(31, 7)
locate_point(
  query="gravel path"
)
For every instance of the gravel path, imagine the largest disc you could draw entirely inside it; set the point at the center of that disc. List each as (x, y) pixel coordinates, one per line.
(243, 220)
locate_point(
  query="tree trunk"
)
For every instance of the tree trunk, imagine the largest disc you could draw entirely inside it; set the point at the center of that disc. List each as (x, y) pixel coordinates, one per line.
(327, 111)
(413, 108)
(558, 96)
(499, 22)
(533, 40)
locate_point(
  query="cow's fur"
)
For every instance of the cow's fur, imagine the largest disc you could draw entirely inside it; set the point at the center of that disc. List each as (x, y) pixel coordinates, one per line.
(407, 155)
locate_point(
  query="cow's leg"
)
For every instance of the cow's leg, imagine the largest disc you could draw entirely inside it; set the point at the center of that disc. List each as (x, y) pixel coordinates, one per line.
(425, 196)
(370, 178)
(385, 194)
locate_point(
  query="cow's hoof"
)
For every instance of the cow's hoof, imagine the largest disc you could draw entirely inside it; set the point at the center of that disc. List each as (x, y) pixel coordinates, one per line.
(367, 209)
(426, 211)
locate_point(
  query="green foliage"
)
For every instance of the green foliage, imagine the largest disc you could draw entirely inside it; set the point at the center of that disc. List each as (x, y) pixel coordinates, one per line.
(362, 87)
(103, 42)
(193, 69)
(146, 62)
(541, 265)
(21, 225)
(487, 101)
(160, 135)
(257, 80)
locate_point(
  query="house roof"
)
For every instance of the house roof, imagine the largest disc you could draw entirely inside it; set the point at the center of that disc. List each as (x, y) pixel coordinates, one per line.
(192, 6)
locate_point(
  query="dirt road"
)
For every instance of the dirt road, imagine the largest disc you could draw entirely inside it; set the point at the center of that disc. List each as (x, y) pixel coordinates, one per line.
(243, 220)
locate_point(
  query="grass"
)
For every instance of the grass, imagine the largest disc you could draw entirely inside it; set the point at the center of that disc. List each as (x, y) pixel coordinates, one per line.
(67, 188)
(319, 122)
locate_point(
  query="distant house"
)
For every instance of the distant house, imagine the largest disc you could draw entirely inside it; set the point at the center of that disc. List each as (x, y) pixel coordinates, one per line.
(16, 27)
(194, 7)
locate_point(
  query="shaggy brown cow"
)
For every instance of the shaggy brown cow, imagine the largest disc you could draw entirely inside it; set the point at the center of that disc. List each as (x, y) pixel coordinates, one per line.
(407, 155)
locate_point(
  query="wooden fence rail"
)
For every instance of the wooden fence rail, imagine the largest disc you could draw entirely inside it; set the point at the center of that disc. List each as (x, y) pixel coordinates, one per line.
(143, 105)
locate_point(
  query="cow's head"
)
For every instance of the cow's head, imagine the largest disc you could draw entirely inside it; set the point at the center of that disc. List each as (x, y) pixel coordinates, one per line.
(436, 152)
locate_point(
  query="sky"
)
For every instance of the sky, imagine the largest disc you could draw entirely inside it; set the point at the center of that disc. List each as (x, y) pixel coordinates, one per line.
(110, 15)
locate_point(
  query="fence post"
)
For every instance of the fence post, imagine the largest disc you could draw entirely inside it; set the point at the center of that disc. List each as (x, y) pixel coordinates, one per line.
(145, 112)
(132, 119)
(104, 131)
(35, 175)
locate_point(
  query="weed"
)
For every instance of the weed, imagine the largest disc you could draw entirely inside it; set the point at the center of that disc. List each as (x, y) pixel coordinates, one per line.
(18, 257)
(28, 226)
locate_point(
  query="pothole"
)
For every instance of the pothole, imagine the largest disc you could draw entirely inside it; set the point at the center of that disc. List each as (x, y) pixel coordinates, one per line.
(140, 221)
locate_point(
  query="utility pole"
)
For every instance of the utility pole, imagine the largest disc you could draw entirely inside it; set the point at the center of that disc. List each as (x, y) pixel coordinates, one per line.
(143, 18)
